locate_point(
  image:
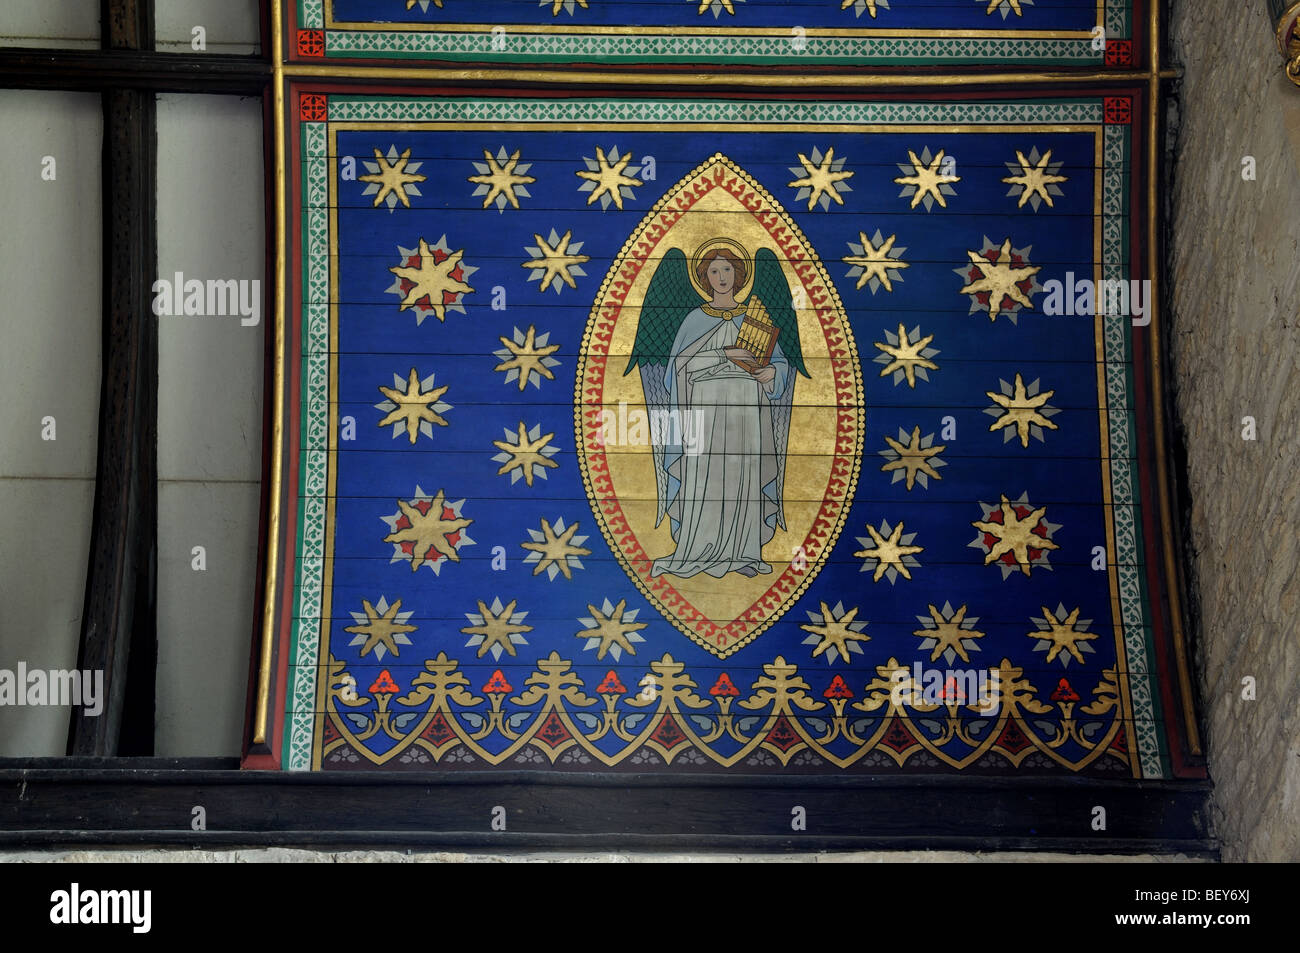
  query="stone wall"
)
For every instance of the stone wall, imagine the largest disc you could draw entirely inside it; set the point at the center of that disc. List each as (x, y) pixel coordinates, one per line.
(1234, 274)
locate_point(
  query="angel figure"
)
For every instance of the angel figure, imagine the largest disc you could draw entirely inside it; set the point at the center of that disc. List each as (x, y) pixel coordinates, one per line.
(719, 363)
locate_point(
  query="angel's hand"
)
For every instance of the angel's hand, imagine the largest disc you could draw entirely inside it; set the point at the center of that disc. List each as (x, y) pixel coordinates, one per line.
(738, 354)
(766, 376)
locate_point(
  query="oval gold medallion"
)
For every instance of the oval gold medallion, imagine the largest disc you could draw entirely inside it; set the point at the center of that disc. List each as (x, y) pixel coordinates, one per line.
(719, 408)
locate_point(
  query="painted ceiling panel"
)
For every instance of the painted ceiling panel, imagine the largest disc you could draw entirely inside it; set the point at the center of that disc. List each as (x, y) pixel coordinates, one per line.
(713, 33)
(666, 434)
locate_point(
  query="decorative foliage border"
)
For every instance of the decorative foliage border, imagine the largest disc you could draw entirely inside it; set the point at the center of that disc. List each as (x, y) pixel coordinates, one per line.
(313, 461)
(780, 721)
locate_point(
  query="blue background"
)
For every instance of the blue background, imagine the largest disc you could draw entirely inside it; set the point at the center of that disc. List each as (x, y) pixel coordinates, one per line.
(376, 341)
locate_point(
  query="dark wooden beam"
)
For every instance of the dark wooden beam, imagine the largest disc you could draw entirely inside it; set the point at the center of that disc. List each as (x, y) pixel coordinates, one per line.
(148, 805)
(119, 610)
(97, 70)
(126, 24)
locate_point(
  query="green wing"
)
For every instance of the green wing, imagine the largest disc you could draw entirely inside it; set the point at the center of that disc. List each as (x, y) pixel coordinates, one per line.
(668, 300)
(771, 288)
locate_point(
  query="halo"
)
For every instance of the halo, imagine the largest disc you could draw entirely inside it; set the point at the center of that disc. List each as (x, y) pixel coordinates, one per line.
(735, 248)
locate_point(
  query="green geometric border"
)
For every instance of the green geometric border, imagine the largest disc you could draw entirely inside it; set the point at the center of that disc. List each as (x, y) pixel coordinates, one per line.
(762, 50)
(1134, 606)
(313, 459)
(343, 108)
(553, 47)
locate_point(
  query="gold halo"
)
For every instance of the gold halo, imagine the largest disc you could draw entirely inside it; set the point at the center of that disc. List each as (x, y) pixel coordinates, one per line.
(740, 252)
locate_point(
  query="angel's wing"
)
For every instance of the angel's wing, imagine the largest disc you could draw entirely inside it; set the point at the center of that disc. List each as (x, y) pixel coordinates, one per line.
(668, 300)
(771, 288)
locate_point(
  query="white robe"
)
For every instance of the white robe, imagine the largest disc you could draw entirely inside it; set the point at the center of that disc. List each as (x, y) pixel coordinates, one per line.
(723, 500)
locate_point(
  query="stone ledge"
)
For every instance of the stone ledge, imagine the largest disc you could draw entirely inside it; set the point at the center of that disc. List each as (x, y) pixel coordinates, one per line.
(286, 855)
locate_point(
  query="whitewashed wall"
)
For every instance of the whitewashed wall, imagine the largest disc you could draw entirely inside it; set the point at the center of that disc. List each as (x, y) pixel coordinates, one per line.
(70, 24)
(50, 254)
(211, 224)
(229, 26)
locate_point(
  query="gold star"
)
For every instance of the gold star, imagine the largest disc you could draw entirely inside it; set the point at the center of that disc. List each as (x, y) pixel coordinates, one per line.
(994, 4)
(428, 531)
(820, 179)
(1015, 535)
(611, 630)
(907, 357)
(835, 633)
(557, 550)
(380, 631)
(927, 180)
(1062, 635)
(726, 5)
(999, 281)
(608, 179)
(875, 262)
(888, 552)
(556, 261)
(411, 3)
(432, 278)
(501, 180)
(413, 405)
(948, 633)
(913, 458)
(528, 357)
(496, 629)
(871, 6)
(526, 455)
(1021, 410)
(557, 4)
(392, 178)
(1034, 179)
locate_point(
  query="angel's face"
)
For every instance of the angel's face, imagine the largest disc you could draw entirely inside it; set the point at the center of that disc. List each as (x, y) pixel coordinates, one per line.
(722, 276)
